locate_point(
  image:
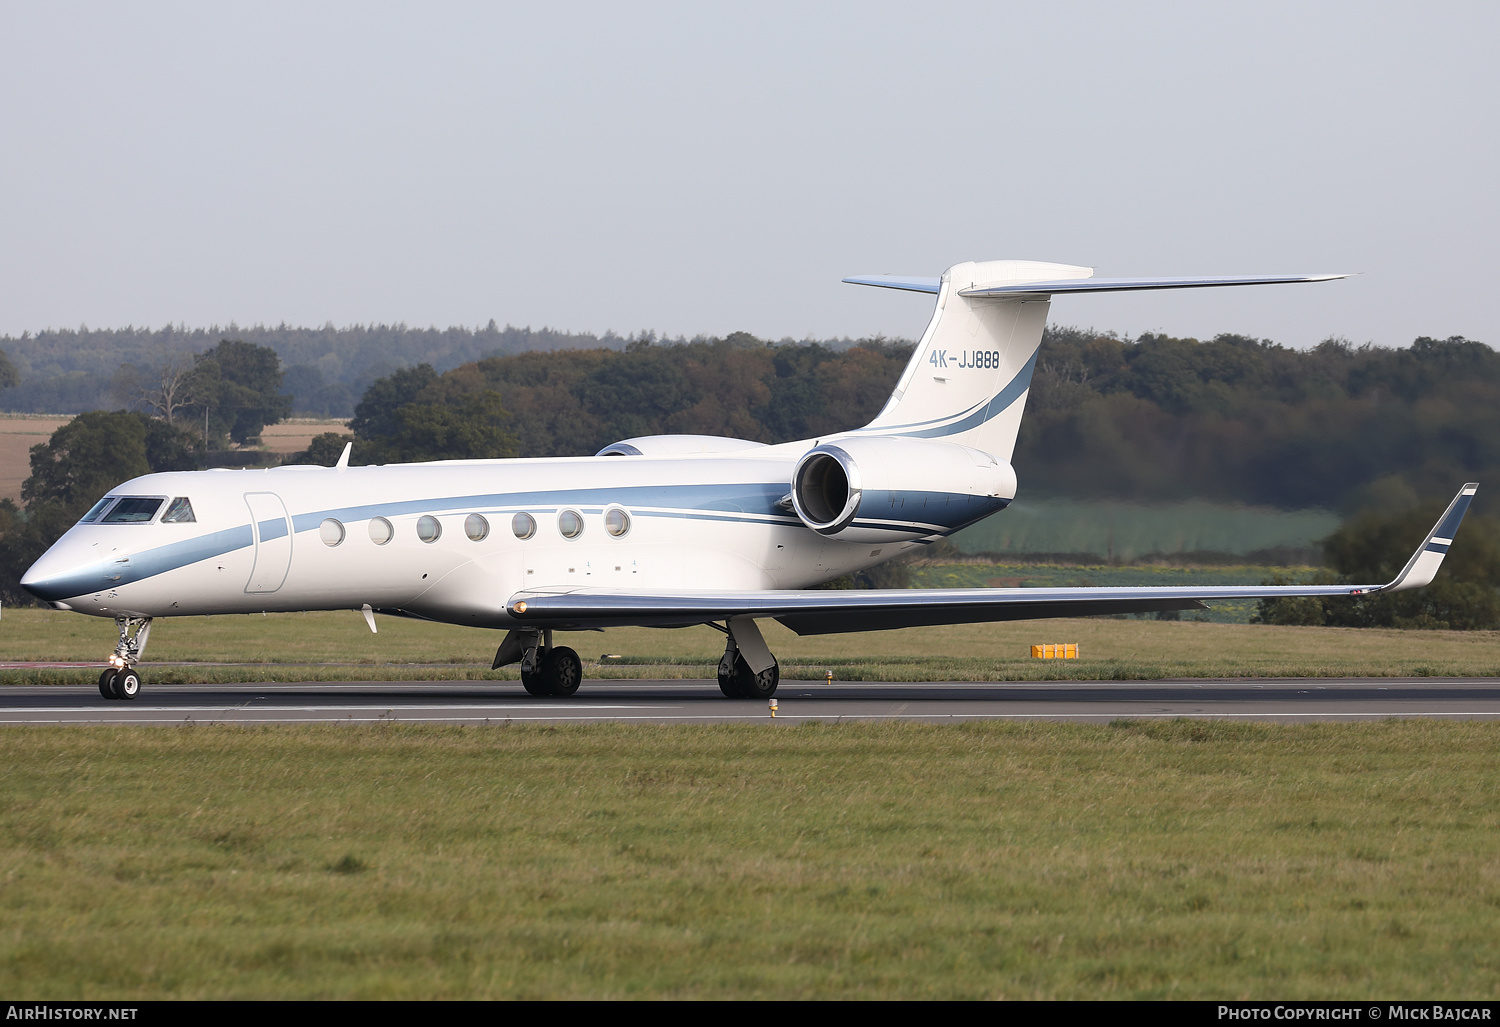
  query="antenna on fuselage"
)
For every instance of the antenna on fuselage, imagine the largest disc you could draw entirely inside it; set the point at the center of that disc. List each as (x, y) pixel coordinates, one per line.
(344, 456)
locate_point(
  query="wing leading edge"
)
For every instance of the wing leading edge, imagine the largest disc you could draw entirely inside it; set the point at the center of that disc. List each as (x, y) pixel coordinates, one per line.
(816, 611)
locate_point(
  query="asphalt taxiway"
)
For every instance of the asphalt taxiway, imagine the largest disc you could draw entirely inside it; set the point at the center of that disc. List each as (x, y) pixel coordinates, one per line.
(1281, 700)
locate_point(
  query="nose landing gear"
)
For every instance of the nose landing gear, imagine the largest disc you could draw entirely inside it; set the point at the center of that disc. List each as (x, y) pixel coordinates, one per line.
(121, 680)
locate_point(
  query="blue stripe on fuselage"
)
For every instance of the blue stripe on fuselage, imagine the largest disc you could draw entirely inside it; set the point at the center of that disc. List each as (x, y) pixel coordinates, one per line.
(938, 512)
(735, 498)
(145, 564)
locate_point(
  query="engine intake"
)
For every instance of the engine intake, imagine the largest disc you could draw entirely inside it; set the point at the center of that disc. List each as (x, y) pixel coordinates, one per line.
(890, 488)
(826, 490)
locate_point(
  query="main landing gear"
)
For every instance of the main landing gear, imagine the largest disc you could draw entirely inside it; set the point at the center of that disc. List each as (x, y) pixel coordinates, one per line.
(747, 670)
(121, 680)
(545, 669)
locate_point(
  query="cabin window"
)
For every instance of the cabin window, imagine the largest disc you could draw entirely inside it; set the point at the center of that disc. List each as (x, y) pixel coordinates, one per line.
(428, 528)
(524, 525)
(616, 521)
(180, 512)
(331, 532)
(133, 510)
(97, 509)
(380, 530)
(476, 527)
(570, 523)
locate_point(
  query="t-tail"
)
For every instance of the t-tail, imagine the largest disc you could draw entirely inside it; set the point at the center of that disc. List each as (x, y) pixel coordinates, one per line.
(968, 380)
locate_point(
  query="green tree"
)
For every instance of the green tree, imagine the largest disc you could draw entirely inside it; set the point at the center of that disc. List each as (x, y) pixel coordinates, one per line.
(9, 376)
(324, 449)
(474, 427)
(1372, 548)
(375, 414)
(84, 459)
(236, 388)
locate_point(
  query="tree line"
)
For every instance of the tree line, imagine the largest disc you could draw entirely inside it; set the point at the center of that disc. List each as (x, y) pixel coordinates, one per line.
(326, 370)
(576, 403)
(1240, 419)
(1155, 418)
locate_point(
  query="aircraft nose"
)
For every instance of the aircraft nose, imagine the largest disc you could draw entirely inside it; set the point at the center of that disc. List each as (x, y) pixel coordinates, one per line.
(57, 574)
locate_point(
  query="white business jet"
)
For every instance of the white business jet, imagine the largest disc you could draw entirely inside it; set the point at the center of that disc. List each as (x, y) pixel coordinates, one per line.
(669, 530)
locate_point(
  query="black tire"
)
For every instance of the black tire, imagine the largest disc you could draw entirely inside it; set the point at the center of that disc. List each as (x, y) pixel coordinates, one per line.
(534, 682)
(756, 686)
(729, 683)
(563, 671)
(107, 684)
(127, 684)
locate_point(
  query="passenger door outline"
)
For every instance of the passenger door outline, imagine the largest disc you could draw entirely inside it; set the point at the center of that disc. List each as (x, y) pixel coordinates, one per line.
(272, 529)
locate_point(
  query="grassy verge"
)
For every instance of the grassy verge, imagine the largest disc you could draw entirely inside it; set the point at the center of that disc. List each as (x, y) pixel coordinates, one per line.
(893, 860)
(338, 646)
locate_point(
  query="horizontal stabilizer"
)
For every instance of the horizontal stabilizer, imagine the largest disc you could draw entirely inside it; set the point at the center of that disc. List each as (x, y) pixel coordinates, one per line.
(932, 285)
(1129, 284)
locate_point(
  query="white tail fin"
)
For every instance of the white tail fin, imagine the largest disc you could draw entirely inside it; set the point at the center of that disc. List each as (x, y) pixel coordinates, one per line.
(967, 382)
(968, 379)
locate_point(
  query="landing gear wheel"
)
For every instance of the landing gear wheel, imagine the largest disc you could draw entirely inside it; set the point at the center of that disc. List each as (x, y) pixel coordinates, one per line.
(562, 670)
(533, 681)
(107, 684)
(127, 684)
(756, 686)
(729, 684)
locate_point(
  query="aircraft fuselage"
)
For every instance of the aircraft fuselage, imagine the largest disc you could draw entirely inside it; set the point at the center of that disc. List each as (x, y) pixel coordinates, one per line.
(453, 540)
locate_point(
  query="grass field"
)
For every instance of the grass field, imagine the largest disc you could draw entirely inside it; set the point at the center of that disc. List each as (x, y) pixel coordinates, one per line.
(338, 646)
(1039, 523)
(1146, 860)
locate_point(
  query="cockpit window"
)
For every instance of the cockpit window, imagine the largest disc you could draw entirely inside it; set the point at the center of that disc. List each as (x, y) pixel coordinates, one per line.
(97, 509)
(180, 512)
(132, 510)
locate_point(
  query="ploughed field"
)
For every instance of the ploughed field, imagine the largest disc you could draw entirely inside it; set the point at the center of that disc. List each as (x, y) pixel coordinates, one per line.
(338, 646)
(1162, 859)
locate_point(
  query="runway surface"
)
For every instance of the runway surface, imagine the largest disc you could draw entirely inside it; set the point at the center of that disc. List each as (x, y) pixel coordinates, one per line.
(1280, 700)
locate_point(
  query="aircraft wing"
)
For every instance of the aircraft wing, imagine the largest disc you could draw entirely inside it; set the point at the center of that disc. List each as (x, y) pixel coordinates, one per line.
(827, 611)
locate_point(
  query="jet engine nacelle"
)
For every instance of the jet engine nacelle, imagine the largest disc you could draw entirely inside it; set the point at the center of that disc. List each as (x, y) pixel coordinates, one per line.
(677, 445)
(891, 489)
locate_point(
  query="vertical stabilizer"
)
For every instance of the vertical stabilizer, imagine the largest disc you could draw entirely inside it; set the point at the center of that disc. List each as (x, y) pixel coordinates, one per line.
(968, 379)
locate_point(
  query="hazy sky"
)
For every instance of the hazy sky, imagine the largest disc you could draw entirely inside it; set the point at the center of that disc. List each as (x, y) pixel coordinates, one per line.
(702, 168)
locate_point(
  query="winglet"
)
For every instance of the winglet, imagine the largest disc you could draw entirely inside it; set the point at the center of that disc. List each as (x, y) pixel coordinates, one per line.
(1424, 563)
(344, 456)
